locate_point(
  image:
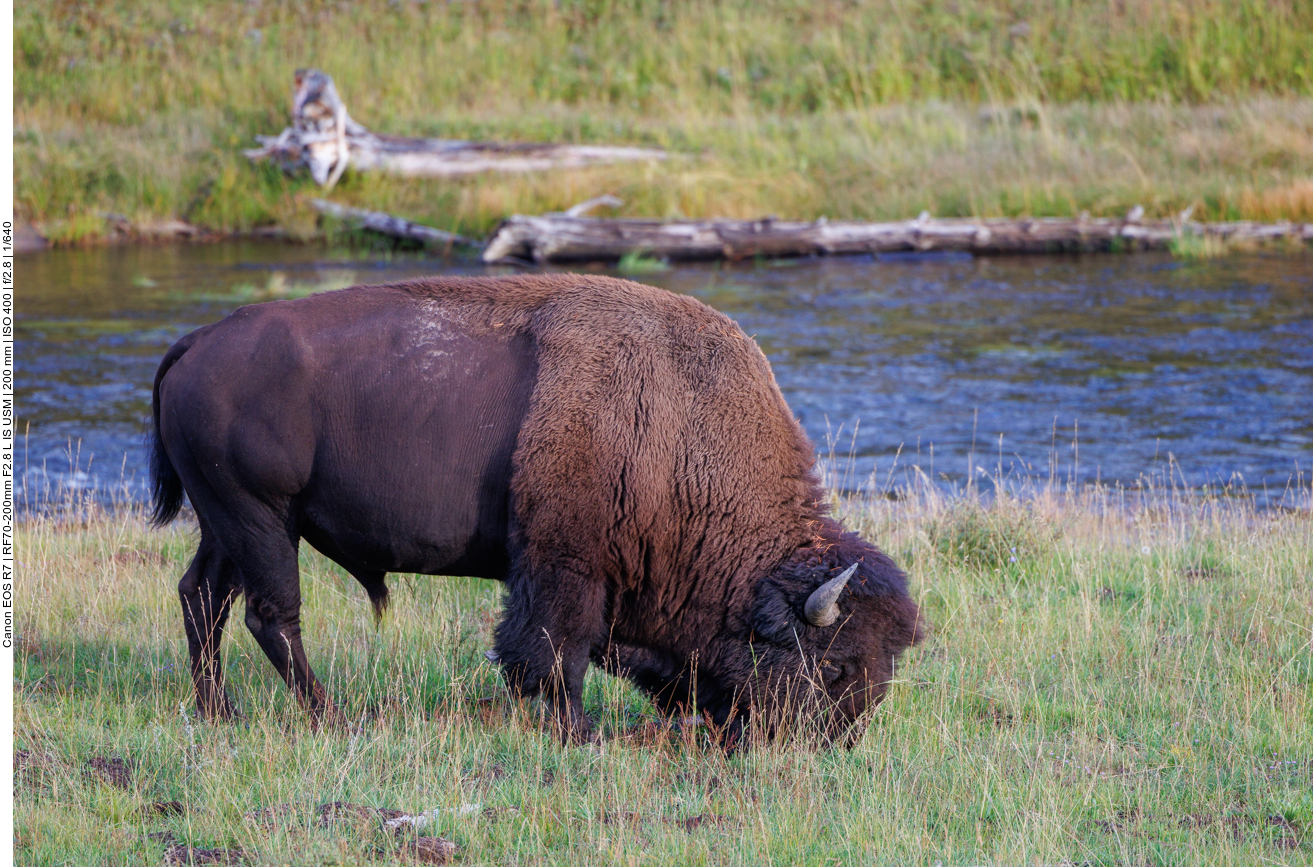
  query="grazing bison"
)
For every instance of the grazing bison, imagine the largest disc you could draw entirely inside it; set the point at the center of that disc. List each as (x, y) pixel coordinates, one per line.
(618, 456)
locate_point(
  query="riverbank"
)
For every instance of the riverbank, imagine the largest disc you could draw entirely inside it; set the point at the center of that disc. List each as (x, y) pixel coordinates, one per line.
(867, 113)
(1104, 680)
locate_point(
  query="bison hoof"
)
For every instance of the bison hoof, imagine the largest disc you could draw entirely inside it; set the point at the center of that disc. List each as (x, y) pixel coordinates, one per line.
(216, 710)
(577, 732)
(329, 718)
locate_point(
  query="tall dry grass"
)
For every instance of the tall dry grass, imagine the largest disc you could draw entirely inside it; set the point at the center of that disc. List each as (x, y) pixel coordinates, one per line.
(1110, 677)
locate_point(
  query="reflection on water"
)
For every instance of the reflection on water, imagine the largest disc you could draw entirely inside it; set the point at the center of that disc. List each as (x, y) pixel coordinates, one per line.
(1093, 368)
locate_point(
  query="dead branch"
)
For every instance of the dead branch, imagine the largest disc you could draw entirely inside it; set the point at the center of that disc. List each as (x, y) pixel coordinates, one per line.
(324, 138)
(387, 224)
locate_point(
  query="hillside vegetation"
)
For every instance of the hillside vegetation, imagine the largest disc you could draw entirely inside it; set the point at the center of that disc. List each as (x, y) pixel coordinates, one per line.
(866, 109)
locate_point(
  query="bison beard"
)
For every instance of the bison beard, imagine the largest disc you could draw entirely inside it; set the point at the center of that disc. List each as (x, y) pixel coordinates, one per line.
(618, 456)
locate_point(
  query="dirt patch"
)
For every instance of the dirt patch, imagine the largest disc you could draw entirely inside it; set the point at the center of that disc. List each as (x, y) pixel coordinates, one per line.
(31, 762)
(492, 711)
(634, 819)
(649, 734)
(700, 777)
(178, 855)
(432, 850)
(272, 816)
(987, 709)
(1232, 825)
(487, 775)
(36, 770)
(110, 769)
(1200, 574)
(28, 647)
(1287, 832)
(492, 814)
(325, 815)
(339, 811)
(1112, 594)
(1121, 820)
(1236, 826)
(24, 761)
(181, 855)
(714, 820)
(364, 820)
(1072, 768)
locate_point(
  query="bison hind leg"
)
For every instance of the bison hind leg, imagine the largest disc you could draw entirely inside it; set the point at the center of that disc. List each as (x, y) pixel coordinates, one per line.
(266, 558)
(206, 593)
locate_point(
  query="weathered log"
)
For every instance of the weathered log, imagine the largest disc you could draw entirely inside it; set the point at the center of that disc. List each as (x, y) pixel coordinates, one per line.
(565, 238)
(324, 138)
(386, 224)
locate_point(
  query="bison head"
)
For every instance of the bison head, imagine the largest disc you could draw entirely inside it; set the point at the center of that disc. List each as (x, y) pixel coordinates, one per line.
(826, 628)
(815, 646)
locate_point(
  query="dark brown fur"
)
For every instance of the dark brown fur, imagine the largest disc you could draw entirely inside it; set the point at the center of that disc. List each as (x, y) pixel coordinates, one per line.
(654, 505)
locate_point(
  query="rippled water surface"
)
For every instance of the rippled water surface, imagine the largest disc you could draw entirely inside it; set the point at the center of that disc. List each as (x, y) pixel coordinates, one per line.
(1097, 367)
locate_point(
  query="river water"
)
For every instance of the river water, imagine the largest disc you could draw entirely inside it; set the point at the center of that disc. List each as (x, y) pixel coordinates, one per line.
(1098, 368)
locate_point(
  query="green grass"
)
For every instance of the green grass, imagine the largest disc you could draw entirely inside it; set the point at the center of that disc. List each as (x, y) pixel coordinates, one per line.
(1187, 245)
(1107, 679)
(849, 110)
(637, 262)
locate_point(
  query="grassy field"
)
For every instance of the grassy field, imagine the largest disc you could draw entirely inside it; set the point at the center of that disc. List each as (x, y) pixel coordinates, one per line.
(1107, 680)
(873, 109)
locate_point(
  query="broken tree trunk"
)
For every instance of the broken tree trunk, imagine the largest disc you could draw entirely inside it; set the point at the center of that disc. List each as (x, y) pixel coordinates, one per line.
(564, 238)
(324, 138)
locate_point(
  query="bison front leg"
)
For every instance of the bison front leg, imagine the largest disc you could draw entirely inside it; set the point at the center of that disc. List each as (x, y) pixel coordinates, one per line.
(206, 592)
(544, 641)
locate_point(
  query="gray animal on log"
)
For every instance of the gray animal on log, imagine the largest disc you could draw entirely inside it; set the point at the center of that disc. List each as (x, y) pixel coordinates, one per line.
(618, 456)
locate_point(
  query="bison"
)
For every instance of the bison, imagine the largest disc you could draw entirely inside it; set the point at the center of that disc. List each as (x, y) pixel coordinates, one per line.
(618, 456)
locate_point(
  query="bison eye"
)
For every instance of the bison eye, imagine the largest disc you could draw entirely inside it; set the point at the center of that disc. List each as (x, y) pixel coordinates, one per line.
(830, 671)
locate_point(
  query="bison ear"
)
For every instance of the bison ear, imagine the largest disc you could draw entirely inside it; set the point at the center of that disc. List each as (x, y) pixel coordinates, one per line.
(775, 614)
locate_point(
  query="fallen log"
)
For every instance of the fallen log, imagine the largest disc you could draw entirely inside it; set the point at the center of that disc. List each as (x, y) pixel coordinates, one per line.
(324, 138)
(566, 238)
(121, 228)
(386, 224)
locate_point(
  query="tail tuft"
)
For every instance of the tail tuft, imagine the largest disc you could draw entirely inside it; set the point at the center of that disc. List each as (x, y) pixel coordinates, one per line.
(378, 597)
(165, 485)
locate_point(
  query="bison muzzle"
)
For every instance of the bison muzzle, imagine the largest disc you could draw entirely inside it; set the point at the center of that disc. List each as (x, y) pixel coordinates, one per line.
(618, 456)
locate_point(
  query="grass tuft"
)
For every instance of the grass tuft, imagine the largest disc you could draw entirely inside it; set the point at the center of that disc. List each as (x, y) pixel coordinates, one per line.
(1192, 245)
(637, 262)
(999, 537)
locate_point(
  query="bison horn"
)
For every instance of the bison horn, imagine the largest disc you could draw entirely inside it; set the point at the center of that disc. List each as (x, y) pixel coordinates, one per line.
(822, 606)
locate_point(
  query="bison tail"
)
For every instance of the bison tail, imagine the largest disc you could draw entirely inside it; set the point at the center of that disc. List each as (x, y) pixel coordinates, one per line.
(378, 597)
(165, 483)
(376, 586)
